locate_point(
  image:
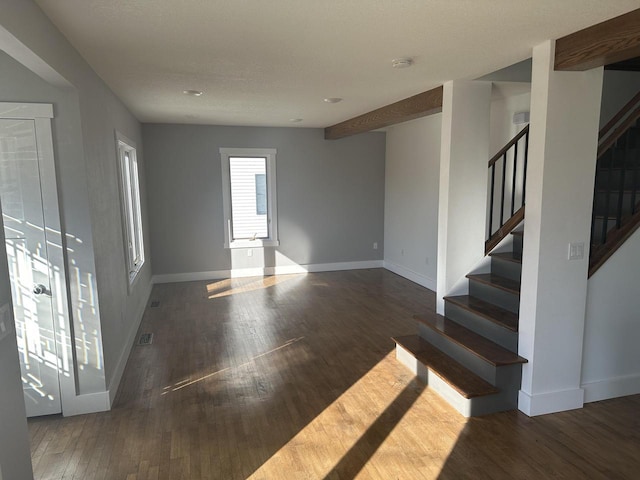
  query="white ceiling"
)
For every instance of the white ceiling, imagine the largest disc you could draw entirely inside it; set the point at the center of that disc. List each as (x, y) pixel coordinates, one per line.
(263, 62)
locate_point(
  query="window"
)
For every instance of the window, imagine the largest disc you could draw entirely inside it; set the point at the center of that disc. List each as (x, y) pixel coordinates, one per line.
(249, 197)
(130, 201)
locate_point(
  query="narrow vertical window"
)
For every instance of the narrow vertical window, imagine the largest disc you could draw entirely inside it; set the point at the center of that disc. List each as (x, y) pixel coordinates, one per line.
(131, 210)
(249, 197)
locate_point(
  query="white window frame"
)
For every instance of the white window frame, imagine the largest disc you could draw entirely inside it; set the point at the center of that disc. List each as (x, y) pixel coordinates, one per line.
(130, 207)
(272, 203)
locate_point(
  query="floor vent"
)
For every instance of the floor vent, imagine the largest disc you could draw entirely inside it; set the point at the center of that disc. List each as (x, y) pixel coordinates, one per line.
(145, 339)
(155, 304)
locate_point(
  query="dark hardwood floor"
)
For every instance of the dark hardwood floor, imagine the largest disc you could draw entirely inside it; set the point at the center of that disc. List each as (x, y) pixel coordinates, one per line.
(294, 377)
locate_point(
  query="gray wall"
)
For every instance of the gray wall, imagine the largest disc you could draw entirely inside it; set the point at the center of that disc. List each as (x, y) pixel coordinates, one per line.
(411, 199)
(91, 138)
(330, 196)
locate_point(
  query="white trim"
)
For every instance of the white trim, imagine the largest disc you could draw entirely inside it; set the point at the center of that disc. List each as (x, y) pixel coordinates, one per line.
(415, 277)
(131, 180)
(266, 271)
(26, 111)
(41, 115)
(611, 388)
(23, 54)
(190, 276)
(116, 377)
(270, 155)
(247, 243)
(550, 402)
(87, 403)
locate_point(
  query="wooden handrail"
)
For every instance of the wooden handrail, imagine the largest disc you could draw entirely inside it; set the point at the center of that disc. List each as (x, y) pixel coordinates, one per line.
(611, 139)
(619, 116)
(504, 150)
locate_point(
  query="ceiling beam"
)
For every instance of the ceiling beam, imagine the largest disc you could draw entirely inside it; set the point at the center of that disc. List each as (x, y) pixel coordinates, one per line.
(421, 105)
(608, 42)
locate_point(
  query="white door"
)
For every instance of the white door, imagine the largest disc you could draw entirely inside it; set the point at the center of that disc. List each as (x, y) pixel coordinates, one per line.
(29, 268)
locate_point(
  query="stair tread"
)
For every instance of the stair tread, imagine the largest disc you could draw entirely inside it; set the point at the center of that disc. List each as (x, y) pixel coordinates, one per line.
(462, 380)
(480, 346)
(518, 233)
(497, 281)
(508, 256)
(487, 310)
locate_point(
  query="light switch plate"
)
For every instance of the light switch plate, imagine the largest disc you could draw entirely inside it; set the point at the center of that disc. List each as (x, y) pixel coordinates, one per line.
(576, 251)
(5, 320)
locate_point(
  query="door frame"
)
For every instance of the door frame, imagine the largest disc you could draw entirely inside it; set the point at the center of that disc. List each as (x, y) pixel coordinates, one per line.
(41, 114)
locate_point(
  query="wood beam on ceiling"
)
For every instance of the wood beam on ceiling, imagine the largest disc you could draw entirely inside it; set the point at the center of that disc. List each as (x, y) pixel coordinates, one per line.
(421, 105)
(608, 42)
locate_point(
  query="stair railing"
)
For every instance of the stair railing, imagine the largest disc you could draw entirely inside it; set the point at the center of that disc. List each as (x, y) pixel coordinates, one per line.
(616, 211)
(507, 191)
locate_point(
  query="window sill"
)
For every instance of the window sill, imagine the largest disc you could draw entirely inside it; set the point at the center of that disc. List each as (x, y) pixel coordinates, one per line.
(257, 243)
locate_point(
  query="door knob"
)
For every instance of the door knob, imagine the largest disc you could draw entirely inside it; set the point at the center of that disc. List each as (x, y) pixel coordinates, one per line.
(40, 289)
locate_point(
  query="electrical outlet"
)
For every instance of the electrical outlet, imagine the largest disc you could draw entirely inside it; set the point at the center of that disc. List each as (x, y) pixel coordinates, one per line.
(375, 245)
(402, 251)
(249, 252)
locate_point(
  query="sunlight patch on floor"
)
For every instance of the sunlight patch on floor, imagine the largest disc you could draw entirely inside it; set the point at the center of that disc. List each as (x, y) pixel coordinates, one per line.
(351, 430)
(234, 286)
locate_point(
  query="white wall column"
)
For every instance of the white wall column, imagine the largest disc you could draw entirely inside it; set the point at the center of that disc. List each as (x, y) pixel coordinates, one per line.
(565, 110)
(466, 107)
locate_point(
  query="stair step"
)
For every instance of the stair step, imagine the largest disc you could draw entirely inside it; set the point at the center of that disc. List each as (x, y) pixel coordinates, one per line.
(518, 233)
(462, 380)
(480, 346)
(486, 310)
(505, 284)
(508, 256)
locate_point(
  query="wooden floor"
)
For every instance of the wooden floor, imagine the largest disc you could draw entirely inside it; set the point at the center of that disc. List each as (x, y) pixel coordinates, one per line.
(294, 377)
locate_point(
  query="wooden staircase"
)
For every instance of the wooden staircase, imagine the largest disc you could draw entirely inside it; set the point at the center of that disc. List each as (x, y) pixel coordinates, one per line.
(469, 356)
(616, 198)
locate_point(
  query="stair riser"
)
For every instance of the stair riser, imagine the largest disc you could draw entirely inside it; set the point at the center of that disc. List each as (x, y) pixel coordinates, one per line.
(506, 269)
(498, 297)
(500, 335)
(468, 407)
(484, 370)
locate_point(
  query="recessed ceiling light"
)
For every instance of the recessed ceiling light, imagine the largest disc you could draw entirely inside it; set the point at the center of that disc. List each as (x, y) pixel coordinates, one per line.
(333, 100)
(193, 93)
(402, 62)
(295, 120)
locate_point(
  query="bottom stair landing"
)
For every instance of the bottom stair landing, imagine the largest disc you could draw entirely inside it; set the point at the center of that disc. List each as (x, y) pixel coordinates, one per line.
(469, 355)
(468, 393)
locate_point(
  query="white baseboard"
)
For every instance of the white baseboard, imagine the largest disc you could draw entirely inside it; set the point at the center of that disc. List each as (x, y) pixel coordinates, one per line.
(550, 402)
(265, 271)
(116, 377)
(611, 388)
(415, 277)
